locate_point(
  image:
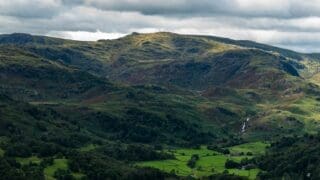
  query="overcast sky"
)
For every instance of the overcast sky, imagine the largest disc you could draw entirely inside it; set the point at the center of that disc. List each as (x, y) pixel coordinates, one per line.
(293, 24)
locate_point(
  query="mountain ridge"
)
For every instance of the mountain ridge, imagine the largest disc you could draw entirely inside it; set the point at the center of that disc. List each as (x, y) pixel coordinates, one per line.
(3, 37)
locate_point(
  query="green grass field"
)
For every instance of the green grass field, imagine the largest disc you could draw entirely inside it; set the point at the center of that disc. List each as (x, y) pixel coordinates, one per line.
(77, 175)
(57, 164)
(210, 162)
(50, 170)
(256, 148)
(32, 159)
(87, 148)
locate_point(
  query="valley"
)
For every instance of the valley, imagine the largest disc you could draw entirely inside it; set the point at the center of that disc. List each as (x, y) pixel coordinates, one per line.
(159, 105)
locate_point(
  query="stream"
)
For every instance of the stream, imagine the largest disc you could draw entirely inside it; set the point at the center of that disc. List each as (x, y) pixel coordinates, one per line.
(244, 125)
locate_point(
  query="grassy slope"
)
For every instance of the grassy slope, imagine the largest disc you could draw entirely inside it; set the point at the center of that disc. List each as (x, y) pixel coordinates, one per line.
(164, 58)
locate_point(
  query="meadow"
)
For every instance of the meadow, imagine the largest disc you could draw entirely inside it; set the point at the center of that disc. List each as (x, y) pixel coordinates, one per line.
(49, 171)
(210, 162)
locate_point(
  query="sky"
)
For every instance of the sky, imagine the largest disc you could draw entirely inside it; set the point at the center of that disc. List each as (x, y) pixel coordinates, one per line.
(292, 24)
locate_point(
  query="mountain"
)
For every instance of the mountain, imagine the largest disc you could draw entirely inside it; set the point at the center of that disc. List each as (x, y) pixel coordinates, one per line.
(141, 92)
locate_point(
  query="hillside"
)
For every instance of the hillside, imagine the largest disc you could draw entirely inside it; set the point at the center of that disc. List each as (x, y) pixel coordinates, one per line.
(85, 103)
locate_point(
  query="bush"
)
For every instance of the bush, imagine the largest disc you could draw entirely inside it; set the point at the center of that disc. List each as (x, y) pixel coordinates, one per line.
(192, 161)
(61, 174)
(230, 164)
(47, 162)
(133, 152)
(10, 169)
(225, 176)
(18, 150)
(218, 149)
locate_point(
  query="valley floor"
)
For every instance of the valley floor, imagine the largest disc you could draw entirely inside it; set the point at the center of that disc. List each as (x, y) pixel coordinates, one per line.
(209, 162)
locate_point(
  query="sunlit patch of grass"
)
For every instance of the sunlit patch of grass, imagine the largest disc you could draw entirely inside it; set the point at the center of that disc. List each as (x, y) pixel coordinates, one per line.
(218, 47)
(256, 148)
(32, 159)
(78, 175)
(89, 147)
(57, 164)
(210, 162)
(1, 152)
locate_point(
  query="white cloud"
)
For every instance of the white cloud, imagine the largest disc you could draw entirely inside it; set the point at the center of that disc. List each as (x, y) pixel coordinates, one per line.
(258, 8)
(289, 23)
(84, 35)
(30, 8)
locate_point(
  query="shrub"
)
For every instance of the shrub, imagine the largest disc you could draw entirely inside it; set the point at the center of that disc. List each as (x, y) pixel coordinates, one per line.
(230, 164)
(192, 161)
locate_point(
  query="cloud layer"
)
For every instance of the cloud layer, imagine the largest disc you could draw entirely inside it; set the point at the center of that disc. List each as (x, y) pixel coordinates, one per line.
(293, 24)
